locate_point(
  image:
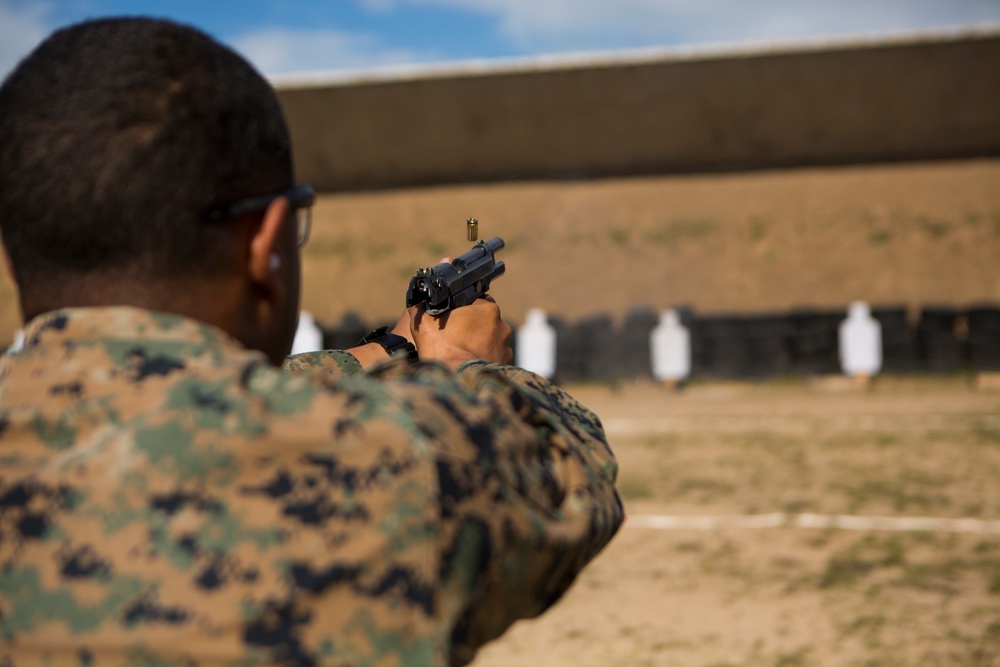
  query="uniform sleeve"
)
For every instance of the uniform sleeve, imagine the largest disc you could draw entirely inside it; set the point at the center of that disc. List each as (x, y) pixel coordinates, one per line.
(331, 364)
(527, 497)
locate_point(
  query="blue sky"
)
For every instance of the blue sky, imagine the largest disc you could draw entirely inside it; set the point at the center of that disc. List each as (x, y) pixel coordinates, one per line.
(302, 36)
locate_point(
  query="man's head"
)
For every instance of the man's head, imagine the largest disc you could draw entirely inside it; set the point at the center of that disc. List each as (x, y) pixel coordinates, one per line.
(118, 138)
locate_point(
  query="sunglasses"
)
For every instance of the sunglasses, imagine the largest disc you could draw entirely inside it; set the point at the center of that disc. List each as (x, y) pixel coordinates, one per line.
(300, 199)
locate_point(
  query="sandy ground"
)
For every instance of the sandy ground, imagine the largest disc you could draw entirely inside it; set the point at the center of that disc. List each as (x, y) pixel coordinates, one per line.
(783, 597)
(772, 240)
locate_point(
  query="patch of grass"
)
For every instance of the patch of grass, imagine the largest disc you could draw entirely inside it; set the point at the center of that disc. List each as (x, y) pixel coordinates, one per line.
(796, 659)
(661, 646)
(867, 625)
(843, 571)
(819, 539)
(723, 560)
(758, 229)
(380, 251)
(973, 509)
(619, 236)
(934, 227)
(680, 229)
(985, 433)
(987, 547)
(904, 493)
(436, 250)
(785, 563)
(926, 479)
(708, 489)
(342, 247)
(668, 441)
(994, 584)
(934, 577)
(632, 488)
(880, 237)
(868, 554)
(798, 506)
(985, 650)
(944, 541)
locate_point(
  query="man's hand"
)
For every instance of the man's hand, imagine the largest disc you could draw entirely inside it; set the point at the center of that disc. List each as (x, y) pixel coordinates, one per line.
(462, 334)
(471, 332)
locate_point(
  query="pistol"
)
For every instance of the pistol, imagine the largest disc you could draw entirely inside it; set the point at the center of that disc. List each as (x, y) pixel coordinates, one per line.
(459, 283)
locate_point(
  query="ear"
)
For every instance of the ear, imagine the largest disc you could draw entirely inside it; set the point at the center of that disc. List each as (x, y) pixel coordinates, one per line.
(265, 245)
(9, 265)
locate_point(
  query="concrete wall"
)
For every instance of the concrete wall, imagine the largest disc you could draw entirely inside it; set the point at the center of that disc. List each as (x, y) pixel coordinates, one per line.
(927, 98)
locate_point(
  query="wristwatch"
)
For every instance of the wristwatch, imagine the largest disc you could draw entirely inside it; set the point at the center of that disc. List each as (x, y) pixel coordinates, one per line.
(394, 344)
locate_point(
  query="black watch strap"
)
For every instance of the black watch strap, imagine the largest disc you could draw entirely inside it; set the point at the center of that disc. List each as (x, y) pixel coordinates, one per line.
(394, 344)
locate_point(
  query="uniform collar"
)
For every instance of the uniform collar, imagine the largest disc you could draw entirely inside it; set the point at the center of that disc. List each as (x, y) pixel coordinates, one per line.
(123, 323)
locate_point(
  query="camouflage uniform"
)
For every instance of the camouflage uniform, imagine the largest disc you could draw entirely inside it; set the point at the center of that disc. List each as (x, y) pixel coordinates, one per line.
(167, 497)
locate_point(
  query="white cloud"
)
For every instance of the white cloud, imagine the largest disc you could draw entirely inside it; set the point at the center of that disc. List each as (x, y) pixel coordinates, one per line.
(21, 30)
(282, 51)
(579, 24)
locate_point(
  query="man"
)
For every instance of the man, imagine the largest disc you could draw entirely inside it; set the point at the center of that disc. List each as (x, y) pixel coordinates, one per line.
(168, 495)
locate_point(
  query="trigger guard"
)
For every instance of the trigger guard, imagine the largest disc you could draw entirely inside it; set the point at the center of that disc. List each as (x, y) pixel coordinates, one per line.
(437, 311)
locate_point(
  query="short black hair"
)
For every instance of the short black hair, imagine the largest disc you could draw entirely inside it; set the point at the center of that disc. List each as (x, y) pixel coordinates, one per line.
(117, 136)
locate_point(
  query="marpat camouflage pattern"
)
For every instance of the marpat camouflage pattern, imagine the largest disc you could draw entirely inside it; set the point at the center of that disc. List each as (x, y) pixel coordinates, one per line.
(169, 498)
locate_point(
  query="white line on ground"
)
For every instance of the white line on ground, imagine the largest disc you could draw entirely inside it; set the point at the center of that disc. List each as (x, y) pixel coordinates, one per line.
(822, 521)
